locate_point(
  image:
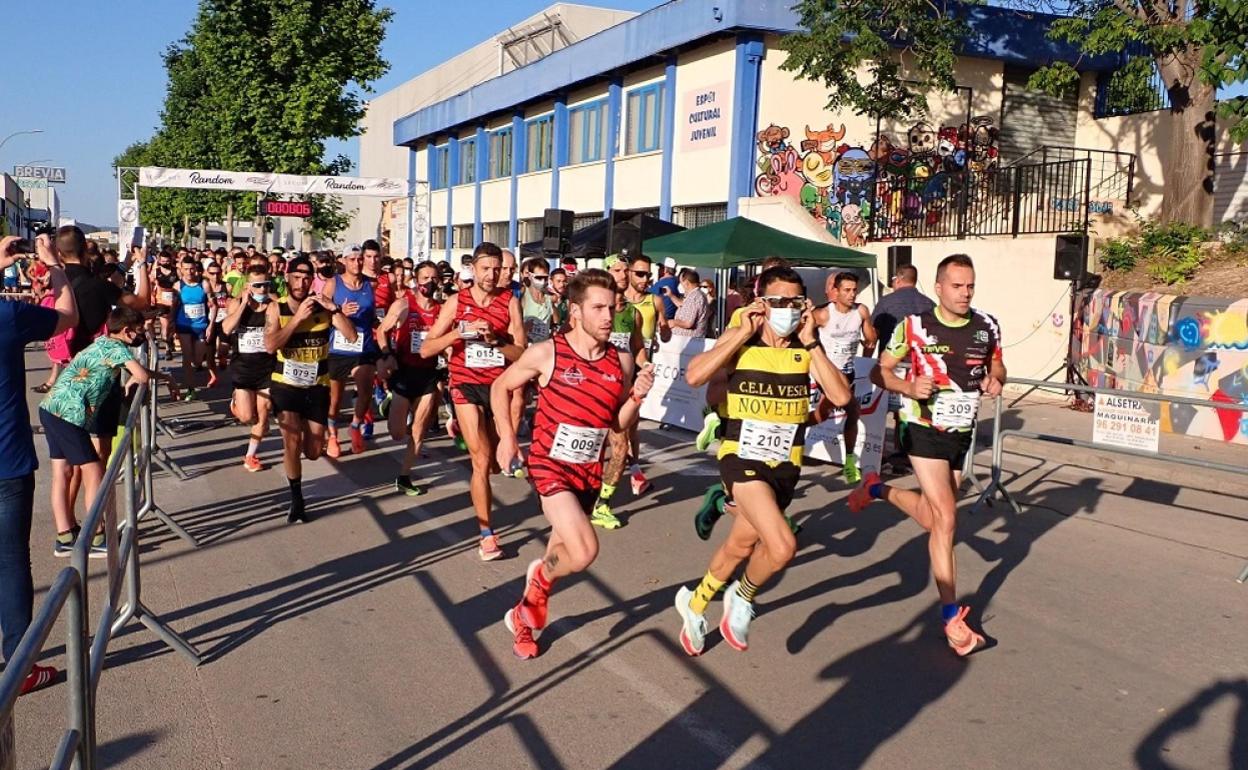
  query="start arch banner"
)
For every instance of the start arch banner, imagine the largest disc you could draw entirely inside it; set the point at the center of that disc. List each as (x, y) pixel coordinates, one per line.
(281, 184)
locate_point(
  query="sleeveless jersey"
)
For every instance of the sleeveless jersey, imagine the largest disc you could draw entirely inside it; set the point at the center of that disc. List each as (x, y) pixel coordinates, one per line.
(365, 319)
(162, 292)
(649, 317)
(248, 343)
(474, 363)
(411, 335)
(957, 356)
(192, 307)
(537, 317)
(222, 296)
(574, 412)
(623, 322)
(840, 335)
(304, 361)
(768, 403)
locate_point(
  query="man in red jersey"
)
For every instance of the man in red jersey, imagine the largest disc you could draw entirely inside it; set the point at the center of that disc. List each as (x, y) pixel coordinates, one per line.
(483, 327)
(585, 388)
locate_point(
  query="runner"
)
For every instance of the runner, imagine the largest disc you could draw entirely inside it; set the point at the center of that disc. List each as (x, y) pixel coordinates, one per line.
(219, 293)
(297, 331)
(353, 359)
(762, 370)
(252, 365)
(559, 294)
(955, 356)
(626, 337)
(537, 307)
(414, 383)
(654, 329)
(843, 323)
(585, 388)
(483, 327)
(507, 275)
(164, 279)
(193, 311)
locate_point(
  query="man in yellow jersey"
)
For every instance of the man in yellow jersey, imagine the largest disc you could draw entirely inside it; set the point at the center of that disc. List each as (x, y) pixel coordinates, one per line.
(297, 330)
(762, 370)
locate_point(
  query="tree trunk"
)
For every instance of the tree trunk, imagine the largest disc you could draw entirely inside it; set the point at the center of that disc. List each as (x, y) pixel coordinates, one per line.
(186, 229)
(229, 226)
(305, 244)
(203, 233)
(1188, 193)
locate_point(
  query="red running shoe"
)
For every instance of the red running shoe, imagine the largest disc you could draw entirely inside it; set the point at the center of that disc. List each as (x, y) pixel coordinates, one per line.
(357, 440)
(861, 497)
(533, 605)
(522, 642)
(38, 678)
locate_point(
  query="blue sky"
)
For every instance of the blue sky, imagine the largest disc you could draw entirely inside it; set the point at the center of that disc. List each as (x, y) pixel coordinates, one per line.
(100, 87)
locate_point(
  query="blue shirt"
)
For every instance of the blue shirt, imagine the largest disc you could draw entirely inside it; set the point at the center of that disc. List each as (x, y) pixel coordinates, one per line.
(670, 282)
(20, 324)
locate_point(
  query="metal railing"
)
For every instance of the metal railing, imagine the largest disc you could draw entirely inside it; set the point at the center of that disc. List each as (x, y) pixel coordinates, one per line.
(996, 486)
(1112, 172)
(131, 466)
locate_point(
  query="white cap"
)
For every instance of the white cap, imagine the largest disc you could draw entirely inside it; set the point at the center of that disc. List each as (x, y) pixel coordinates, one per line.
(465, 274)
(669, 262)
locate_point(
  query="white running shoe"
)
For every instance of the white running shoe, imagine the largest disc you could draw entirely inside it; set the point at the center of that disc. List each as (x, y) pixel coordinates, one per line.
(735, 625)
(693, 625)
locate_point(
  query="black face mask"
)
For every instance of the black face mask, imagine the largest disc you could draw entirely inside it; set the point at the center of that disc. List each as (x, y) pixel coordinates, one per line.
(427, 289)
(139, 341)
(326, 271)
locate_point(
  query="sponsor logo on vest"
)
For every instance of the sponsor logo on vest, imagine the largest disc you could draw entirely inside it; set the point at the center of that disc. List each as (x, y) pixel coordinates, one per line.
(936, 348)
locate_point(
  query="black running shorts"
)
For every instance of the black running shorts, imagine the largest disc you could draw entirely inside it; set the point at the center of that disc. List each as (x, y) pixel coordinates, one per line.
(925, 441)
(412, 383)
(782, 478)
(312, 404)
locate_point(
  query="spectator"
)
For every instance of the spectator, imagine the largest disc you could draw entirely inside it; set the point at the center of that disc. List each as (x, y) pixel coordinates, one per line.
(569, 266)
(693, 310)
(666, 287)
(20, 324)
(905, 299)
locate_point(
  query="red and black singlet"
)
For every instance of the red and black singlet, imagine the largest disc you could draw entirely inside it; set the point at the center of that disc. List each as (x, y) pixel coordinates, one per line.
(574, 412)
(409, 336)
(474, 363)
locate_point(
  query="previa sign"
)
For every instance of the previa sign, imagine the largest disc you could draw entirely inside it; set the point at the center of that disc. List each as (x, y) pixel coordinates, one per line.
(54, 174)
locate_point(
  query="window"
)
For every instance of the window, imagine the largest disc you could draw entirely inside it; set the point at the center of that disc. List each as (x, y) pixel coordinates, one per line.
(587, 132)
(437, 238)
(463, 237)
(531, 230)
(499, 163)
(645, 119)
(441, 167)
(697, 216)
(540, 133)
(467, 161)
(581, 221)
(496, 233)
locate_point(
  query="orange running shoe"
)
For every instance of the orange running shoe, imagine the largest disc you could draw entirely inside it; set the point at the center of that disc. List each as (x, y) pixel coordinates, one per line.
(253, 464)
(332, 449)
(357, 440)
(489, 549)
(533, 605)
(961, 638)
(861, 496)
(522, 642)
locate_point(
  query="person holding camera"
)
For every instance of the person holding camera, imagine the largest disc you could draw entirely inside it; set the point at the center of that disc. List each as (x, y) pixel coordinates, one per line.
(20, 324)
(251, 368)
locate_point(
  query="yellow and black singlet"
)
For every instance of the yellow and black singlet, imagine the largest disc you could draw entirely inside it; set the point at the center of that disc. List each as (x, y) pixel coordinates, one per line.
(304, 361)
(768, 403)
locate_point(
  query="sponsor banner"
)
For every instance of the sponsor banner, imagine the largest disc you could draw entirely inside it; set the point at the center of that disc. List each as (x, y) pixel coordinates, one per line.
(826, 441)
(1126, 422)
(672, 401)
(127, 224)
(278, 184)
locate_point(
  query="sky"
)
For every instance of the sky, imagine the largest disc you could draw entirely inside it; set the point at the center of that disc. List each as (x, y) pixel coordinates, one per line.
(100, 88)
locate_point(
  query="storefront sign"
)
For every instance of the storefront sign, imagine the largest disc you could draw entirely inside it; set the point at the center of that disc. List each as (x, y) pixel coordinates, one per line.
(704, 117)
(1126, 422)
(54, 174)
(826, 441)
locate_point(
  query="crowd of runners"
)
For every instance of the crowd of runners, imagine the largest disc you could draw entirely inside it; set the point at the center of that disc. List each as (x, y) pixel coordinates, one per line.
(495, 352)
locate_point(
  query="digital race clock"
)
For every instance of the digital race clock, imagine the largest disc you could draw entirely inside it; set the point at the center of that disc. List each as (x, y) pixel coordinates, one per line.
(272, 208)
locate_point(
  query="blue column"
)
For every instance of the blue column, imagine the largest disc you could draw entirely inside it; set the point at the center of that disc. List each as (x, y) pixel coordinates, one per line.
(431, 165)
(560, 140)
(479, 162)
(411, 200)
(452, 179)
(669, 138)
(517, 157)
(613, 144)
(744, 117)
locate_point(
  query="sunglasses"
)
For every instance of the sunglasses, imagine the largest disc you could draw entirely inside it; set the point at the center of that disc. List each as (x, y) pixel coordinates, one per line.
(782, 302)
(641, 273)
(261, 286)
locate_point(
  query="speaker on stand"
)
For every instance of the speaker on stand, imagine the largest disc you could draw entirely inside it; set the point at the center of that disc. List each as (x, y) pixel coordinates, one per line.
(556, 231)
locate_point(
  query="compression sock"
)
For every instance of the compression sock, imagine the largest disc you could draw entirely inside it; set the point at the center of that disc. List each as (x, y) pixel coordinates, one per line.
(486, 532)
(948, 612)
(406, 479)
(332, 424)
(297, 512)
(745, 589)
(607, 490)
(705, 591)
(634, 468)
(876, 490)
(253, 447)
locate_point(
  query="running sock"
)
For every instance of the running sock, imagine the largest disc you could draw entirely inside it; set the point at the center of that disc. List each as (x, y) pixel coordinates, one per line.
(296, 488)
(634, 468)
(745, 589)
(296, 502)
(876, 490)
(948, 612)
(850, 457)
(405, 479)
(542, 580)
(253, 447)
(332, 424)
(486, 532)
(607, 490)
(705, 591)
(355, 425)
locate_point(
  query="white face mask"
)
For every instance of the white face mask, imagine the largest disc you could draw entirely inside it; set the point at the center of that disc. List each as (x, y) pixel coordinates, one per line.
(784, 320)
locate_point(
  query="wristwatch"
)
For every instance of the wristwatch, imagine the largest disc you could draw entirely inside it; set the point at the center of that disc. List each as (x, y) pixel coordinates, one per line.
(811, 345)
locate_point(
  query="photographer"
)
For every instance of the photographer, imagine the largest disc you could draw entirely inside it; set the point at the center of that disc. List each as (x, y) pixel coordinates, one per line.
(20, 324)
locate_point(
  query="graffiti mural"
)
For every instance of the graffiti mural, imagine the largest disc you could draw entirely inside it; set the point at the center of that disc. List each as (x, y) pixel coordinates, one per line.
(899, 183)
(1159, 343)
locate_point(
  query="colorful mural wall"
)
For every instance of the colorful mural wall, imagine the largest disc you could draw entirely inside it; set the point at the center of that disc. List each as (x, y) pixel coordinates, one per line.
(1159, 343)
(902, 181)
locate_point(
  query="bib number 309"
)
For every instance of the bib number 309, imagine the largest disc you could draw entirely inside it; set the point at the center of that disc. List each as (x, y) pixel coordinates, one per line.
(766, 441)
(578, 445)
(955, 410)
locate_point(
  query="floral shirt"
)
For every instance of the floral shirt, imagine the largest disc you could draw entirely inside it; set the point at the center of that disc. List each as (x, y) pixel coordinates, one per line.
(85, 383)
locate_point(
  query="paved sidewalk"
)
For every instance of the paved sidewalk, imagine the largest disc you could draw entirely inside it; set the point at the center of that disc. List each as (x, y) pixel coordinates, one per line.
(372, 637)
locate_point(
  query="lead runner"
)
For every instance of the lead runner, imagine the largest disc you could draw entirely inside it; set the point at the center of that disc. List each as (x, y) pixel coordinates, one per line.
(585, 388)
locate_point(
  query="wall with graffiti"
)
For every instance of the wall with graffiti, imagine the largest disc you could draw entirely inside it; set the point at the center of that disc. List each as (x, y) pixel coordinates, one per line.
(1188, 346)
(904, 179)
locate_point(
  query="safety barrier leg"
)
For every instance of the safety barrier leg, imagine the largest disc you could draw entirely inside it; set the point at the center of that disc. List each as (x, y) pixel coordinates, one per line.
(149, 419)
(1243, 576)
(995, 485)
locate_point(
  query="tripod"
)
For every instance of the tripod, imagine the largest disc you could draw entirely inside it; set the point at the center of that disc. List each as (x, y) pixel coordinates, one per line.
(1072, 375)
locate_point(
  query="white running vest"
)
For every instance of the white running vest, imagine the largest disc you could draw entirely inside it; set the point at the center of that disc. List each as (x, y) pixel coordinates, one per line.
(841, 334)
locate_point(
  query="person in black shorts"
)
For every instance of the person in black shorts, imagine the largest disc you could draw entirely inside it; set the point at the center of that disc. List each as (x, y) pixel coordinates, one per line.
(251, 369)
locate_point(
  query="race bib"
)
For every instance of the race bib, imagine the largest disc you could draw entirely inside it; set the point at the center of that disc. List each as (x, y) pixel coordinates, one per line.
(578, 445)
(251, 340)
(841, 349)
(341, 343)
(955, 409)
(621, 341)
(220, 314)
(299, 373)
(483, 357)
(766, 441)
(166, 298)
(418, 339)
(195, 311)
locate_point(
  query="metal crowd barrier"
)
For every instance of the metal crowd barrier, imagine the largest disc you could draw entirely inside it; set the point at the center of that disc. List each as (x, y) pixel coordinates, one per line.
(132, 463)
(997, 487)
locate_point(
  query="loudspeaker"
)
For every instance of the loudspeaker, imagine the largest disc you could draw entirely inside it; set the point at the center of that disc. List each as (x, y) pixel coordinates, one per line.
(898, 256)
(623, 233)
(556, 230)
(1070, 260)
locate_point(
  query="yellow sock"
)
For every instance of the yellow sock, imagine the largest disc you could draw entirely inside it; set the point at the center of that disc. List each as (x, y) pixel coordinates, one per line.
(705, 591)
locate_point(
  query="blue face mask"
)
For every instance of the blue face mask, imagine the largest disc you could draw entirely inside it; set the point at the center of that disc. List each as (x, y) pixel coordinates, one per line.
(784, 320)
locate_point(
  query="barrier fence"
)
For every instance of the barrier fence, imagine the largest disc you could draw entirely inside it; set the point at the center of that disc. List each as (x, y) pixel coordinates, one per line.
(130, 468)
(996, 486)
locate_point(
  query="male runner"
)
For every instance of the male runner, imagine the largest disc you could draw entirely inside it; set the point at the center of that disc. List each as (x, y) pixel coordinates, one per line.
(955, 356)
(252, 365)
(164, 279)
(507, 275)
(843, 323)
(762, 370)
(414, 383)
(537, 307)
(483, 327)
(219, 292)
(193, 312)
(585, 388)
(353, 359)
(297, 331)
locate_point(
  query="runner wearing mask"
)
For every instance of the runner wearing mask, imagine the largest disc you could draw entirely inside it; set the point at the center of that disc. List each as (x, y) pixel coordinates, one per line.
(252, 365)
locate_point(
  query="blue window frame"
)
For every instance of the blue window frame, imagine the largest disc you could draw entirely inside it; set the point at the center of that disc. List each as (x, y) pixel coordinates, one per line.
(441, 166)
(643, 132)
(587, 132)
(500, 154)
(539, 143)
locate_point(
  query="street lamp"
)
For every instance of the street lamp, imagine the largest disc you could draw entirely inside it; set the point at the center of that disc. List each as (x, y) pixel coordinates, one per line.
(19, 133)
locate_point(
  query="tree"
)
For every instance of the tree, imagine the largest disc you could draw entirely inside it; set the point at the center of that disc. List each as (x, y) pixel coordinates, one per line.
(907, 48)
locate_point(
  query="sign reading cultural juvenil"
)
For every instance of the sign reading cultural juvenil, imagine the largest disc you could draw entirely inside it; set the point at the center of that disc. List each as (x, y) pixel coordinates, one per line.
(704, 119)
(1126, 422)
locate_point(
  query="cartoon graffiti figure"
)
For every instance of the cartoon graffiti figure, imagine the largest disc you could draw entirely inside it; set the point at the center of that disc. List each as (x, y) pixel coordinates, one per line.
(824, 142)
(980, 139)
(777, 162)
(922, 140)
(834, 225)
(773, 140)
(819, 177)
(854, 227)
(854, 174)
(950, 149)
(1203, 368)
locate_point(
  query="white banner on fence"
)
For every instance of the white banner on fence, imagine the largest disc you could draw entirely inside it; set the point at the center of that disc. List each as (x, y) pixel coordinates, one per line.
(127, 223)
(826, 441)
(671, 401)
(279, 184)
(1126, 422)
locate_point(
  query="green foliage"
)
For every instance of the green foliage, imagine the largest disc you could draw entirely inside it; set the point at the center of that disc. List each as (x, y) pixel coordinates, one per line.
(1118, 254)
(1175, 264)
(1171, 253)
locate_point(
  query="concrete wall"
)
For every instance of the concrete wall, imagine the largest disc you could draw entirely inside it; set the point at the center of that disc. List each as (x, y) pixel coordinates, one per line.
(1195, 347)
(700, 165)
